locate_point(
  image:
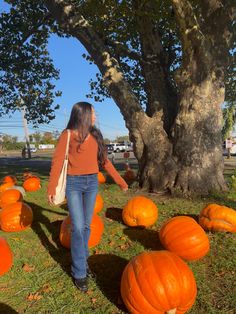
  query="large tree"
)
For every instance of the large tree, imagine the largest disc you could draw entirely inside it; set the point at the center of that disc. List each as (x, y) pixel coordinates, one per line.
(163, 62)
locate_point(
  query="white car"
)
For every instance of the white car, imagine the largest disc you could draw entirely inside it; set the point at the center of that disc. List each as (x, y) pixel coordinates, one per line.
(121, 147)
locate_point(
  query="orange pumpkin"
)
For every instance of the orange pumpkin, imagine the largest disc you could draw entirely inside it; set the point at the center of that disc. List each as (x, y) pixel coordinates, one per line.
(5, 186)
(10, 196)
(140, 211)
(16, 217)
(6, 259)
(158, 282)
(101, 178)
(96, 226)
(218, 218)
(32, 184)
(129, 175)
(185, 237)
(98, 204)
(9, 179)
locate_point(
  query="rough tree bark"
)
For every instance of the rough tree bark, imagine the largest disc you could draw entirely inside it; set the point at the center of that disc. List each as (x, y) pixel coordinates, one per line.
(184, 156)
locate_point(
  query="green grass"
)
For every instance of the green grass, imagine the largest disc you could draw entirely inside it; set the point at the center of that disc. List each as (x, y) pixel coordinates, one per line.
(40, 282)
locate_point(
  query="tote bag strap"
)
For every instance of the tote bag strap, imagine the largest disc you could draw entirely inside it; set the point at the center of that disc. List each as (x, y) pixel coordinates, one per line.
(67, 144)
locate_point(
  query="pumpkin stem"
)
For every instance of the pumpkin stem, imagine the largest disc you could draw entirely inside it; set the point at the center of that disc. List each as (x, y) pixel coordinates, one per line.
(173, 311)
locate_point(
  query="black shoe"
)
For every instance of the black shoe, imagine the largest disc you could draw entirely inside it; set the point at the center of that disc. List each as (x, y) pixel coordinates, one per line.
(81, 284)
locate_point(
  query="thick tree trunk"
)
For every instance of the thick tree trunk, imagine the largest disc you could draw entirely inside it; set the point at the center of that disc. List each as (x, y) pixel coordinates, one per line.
(191, 162)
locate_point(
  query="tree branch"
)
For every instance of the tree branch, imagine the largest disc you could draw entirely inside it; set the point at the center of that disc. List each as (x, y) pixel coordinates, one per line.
(188, 23)
(73, 23)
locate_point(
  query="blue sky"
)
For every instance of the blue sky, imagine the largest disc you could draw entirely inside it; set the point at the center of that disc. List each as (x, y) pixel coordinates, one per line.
(75, 73)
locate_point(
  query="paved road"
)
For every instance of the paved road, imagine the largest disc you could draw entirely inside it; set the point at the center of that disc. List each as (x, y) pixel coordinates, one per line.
(43, 160)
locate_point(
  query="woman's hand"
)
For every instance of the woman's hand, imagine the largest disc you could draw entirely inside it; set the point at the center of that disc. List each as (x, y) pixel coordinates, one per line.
(124, 189)
(51, 199)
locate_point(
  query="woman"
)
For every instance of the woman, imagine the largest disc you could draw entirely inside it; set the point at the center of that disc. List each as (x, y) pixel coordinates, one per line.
(87, 152)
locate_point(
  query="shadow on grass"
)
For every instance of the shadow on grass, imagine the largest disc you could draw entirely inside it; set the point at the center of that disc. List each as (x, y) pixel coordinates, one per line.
(42, 222)
(6, 309)
(194, 216)
(108, 269)
(148, 238)
(114, 213)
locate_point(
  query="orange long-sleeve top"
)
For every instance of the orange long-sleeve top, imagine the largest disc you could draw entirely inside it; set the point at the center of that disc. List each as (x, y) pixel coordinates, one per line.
(80, 162)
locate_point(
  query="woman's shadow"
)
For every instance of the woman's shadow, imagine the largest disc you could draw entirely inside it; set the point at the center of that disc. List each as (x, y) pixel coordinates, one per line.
(53, 246)
(108, 269)
(6, 309)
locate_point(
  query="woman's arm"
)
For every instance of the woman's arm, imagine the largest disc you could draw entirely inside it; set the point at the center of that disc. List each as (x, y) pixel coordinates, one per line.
(115, 175)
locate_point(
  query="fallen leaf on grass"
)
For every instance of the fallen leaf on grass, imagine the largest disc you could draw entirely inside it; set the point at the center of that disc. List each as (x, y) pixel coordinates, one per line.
(28, 268)
(94, 300)
(34, 296)
(46, 288)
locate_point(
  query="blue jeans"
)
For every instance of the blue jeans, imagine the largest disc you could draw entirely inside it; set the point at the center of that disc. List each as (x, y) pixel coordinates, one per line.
(81, 194)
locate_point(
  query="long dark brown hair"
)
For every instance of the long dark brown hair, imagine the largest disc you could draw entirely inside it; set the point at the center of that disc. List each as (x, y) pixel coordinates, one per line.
(81, 120)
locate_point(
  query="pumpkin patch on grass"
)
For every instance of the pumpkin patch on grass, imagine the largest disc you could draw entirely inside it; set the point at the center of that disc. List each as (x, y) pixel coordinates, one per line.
(158, 282)
(218, 218)
(185, 237)
(96, 226)
(101, 178)
(140, 211)
(98, 204)
(32, 184)
(16, 217)
(10, 196)
(6, 255)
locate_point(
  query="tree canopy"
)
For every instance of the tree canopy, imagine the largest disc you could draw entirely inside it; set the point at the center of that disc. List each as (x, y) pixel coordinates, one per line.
(27, 71)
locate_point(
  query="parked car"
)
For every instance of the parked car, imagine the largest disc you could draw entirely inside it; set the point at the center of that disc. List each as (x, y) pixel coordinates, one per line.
(121, 147)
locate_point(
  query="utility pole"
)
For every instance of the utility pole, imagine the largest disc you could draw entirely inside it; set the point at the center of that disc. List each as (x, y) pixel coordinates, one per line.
(27, 140)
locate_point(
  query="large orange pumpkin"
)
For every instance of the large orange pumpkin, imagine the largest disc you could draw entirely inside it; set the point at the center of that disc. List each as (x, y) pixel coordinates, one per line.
(5, 186)
(140, 211)
(96, 226)
(101, 178)
(218, 218)
(185, 237)
(9, 179)
(6, 255)
(32, 184)
(10, 196)
(16, 217)
(98, 204)
(158, 282)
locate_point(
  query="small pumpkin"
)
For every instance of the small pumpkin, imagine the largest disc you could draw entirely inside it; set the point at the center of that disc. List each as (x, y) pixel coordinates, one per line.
(32, 184)
(158, 282)
(215, 217)
(9, 179)
(129, 175)
(5, 186)
(185, 237)
(140, 211)
(10, 196)
(16, 217)
(98, 204)
(96, 226)
(101, 178)
(6, 255)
